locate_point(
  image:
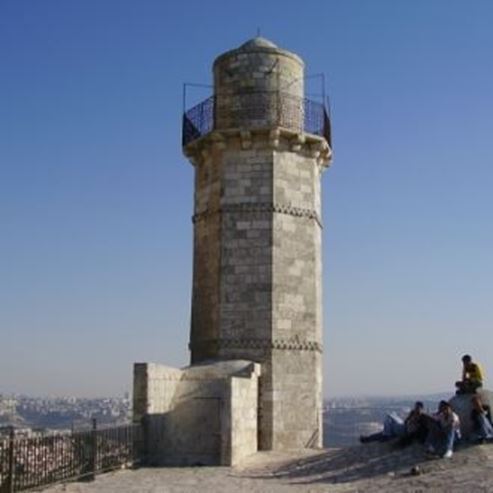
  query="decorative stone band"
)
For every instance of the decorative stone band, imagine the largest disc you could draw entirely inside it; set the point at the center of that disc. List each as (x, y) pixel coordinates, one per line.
(286, 344)
(260, 207)
(278, 138)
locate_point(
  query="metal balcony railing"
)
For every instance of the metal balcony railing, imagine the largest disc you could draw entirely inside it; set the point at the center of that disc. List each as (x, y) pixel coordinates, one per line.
(256, 110)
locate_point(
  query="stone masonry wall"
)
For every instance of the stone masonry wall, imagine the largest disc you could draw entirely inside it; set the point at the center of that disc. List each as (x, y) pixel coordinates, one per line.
(205, 414)
(297, 303)
(243, 402)
(264, 212)
(207, 254)
(297, 399)
(246, 245)
(248, 83)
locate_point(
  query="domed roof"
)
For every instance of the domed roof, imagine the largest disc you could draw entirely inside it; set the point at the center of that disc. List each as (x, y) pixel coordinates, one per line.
(257, 42)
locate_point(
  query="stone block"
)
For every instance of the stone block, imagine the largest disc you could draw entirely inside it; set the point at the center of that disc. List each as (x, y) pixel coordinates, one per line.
(461, 404)
(203, 414)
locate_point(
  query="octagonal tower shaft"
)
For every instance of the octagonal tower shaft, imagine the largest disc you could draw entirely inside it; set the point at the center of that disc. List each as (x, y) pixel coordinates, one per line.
(257, 291)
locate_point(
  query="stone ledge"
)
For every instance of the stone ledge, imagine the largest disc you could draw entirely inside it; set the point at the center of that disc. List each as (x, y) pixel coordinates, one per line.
(275, 138)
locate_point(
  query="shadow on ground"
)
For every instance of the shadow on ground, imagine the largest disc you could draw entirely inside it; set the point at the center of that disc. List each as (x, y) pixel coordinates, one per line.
(356, 464)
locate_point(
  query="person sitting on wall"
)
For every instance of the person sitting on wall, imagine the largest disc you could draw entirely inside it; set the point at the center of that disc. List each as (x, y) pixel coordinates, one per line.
(472, 377)
(413, 427)
(443, 431)
(481, 420)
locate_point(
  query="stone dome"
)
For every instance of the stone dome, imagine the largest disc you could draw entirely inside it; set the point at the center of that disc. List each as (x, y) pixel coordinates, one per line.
(257, 42)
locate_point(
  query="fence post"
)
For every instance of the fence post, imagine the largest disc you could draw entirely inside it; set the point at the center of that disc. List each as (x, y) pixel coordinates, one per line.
(10, 478)
(144, 441)
(94, 449)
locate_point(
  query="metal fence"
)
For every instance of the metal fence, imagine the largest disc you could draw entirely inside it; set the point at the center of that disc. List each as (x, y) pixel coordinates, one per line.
(316, 120)
(257, 109)
(32, 462)
(198, 121)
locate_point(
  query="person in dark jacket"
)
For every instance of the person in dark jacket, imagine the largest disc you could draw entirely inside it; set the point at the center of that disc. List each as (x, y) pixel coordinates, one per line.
(412, 428)
(416, 427)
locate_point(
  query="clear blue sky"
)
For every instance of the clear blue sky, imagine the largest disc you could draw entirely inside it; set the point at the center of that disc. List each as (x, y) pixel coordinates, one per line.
(96, 197)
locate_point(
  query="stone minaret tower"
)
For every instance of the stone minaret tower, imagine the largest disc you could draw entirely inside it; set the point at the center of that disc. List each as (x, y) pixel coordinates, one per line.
(259, 149)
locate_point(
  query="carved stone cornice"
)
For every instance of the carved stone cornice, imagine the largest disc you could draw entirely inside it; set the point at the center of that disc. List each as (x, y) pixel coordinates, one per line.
(294, 344)
(277, 138)
(250, 207)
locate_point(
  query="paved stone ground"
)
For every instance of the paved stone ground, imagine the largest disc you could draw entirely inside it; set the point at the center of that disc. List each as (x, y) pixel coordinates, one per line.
(372, 468)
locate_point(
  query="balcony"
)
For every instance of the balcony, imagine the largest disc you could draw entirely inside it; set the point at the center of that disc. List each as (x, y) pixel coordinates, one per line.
(256, 110)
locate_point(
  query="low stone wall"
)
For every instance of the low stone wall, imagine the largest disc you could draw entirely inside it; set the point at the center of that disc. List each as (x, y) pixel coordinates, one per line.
(200, 415)
(243, 413)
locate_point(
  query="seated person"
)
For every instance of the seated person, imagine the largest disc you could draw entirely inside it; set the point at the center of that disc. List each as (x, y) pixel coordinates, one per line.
(416, 427)
(472, 377)
(413, 427)
(443, 431)
(481, 420)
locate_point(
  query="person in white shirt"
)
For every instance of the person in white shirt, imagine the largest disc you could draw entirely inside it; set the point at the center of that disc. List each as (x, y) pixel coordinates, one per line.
(443, 431)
